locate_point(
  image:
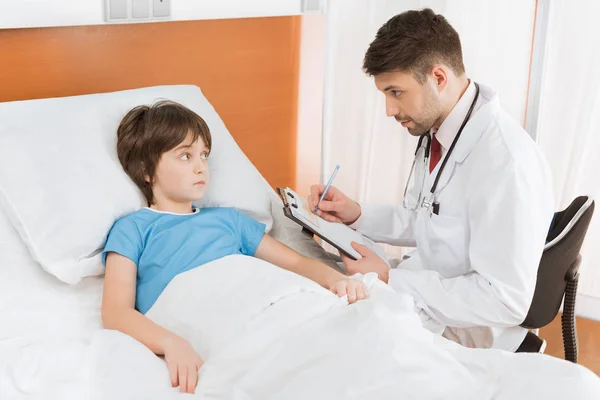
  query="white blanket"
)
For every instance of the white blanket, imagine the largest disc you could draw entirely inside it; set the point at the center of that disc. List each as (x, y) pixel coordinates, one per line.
(266, 333)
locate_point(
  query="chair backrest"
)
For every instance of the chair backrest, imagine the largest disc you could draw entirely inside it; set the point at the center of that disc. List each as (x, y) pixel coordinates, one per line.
(562, 248)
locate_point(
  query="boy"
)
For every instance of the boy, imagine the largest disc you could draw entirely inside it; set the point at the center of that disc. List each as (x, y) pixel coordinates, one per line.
(164, 149)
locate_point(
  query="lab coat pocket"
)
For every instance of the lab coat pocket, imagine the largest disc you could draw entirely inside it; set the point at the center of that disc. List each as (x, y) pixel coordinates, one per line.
(443, 244)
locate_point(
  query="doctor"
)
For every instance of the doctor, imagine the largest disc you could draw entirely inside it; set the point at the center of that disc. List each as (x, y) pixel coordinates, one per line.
(479, 200)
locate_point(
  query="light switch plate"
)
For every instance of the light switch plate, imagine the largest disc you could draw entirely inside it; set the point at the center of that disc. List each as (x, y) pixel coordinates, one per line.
(140, 9)
(161, 8)
(312, 6)
(116, 10)
(131, 11)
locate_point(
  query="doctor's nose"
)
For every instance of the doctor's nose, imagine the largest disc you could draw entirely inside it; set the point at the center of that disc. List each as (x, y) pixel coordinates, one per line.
(390, 109)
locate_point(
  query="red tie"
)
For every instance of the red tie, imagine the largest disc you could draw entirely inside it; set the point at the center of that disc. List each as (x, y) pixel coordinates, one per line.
(435, 153)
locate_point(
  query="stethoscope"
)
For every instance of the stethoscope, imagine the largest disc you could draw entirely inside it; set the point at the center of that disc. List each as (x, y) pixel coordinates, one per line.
(424, 146)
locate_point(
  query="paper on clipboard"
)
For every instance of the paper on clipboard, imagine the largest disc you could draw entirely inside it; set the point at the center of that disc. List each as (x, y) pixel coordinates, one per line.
(338, 234)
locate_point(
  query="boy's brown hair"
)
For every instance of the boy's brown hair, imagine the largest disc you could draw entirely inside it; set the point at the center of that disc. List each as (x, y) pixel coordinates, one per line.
(146, 132)
(414, 41)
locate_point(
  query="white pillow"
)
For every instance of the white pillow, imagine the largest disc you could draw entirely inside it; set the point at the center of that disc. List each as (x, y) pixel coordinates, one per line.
(61, 184)
(36, 306)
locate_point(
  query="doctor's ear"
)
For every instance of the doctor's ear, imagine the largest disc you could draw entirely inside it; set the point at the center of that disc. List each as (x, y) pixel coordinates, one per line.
(439, 74)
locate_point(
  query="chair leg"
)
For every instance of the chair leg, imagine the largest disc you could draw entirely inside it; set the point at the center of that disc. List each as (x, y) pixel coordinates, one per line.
(569, 328)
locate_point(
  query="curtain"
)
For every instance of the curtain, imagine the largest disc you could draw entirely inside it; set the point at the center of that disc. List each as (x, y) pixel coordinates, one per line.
(375, 152)
(569, 124)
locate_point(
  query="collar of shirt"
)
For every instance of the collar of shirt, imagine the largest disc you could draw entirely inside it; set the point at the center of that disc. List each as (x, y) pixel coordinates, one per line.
(449, 128)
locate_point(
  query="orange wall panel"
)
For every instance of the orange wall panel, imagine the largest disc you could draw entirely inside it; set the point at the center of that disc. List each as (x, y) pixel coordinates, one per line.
(247, 68)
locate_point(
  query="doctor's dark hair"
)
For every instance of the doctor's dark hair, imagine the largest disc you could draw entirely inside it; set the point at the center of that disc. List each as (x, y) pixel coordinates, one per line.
(146, 132)
(414, 42)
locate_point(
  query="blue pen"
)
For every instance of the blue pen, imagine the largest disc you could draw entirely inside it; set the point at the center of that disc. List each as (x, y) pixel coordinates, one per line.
(337, 167)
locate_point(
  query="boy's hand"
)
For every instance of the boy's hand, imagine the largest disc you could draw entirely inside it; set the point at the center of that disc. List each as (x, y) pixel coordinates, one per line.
(355, 289)
(183, 364)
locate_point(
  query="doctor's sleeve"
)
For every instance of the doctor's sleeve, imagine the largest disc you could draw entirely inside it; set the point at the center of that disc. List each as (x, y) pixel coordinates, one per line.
(391, 224)
(509, 215)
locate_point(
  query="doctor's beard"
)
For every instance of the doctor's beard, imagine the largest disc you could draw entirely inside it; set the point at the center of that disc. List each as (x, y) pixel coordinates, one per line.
(431, 112)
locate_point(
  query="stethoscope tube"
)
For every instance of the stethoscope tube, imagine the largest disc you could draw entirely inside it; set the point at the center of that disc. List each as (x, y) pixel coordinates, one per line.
(425, 141)
(425, 136)
(439, 174)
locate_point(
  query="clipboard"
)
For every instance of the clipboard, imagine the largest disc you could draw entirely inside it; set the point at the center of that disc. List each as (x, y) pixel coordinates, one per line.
(292, 200)
(336, 234)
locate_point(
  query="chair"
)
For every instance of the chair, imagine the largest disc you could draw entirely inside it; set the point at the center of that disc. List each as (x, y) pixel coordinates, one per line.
(558, 273)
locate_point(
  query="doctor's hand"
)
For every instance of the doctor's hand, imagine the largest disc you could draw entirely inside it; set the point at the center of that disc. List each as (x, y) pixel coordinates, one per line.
(370, 262)
(335, 207)
(355, 289)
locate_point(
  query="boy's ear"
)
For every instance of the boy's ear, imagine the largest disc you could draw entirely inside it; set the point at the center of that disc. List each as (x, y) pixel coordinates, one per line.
(146, 176)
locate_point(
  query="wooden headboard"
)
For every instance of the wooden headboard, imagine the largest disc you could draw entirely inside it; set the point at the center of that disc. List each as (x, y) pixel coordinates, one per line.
(247, 68)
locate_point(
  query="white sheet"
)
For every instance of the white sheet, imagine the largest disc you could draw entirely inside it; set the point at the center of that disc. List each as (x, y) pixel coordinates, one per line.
(42, 318)
(46, 326)
(52, 347)
(268, 334)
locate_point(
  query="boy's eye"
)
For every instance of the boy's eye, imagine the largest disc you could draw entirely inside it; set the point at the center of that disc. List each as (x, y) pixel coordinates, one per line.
(204, 156)
(185, 157)
(396, 93)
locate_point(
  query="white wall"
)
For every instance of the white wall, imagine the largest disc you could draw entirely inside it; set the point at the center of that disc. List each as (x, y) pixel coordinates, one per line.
(310, 102)
(40, 13)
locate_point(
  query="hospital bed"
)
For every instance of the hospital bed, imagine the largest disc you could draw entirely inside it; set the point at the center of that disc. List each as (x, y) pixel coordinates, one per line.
(61, 188)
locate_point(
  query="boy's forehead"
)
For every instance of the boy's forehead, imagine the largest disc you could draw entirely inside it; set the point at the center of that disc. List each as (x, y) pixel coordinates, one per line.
(190, 142)
(197, 145)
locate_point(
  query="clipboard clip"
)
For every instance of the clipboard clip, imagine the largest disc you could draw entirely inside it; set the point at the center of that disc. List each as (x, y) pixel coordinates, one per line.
(285, 198)
(286, 203)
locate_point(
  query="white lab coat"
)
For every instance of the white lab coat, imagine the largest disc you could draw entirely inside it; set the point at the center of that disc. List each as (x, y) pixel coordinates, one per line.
(474, 270)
